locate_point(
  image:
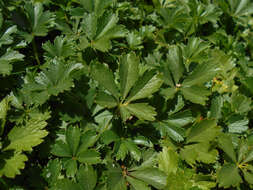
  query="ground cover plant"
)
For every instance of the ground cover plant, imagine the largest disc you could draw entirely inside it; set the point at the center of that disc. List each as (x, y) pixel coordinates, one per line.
(126, 94)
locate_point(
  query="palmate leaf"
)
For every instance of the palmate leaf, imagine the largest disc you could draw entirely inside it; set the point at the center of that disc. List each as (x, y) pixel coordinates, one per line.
(115, 179)
(24, 138)
(60, 48)
(137, 184)
(6, 38)
(229, 175)
(101, 30)
(49, 82)
(12, 166)
(9, 57)
(40, 21)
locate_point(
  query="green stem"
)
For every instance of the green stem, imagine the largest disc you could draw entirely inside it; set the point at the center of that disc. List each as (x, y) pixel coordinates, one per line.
(35, 51)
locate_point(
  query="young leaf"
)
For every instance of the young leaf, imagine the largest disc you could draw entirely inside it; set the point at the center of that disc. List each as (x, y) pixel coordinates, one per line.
(11, 167)
(26, 137)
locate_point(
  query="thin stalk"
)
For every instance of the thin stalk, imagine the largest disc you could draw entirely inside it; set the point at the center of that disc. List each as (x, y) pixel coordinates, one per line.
(35, 50)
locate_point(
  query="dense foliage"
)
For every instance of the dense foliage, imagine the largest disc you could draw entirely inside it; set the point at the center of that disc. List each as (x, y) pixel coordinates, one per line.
(126, 94)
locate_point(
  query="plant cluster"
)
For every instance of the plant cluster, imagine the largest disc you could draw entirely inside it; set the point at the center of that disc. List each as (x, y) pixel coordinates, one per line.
(126, 94)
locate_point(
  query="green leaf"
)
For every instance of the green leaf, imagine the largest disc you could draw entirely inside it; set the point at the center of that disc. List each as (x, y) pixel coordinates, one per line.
(109, 136)
(40, 21)
(71, 167)
(73, 138)
(60, 48)
(216, 105)
(106, 100)
(12, 166)
(129, 72)
(229, 176)
(168, 161)
(202, 73)
(6, 37)
(201, 152)
(53, 80)
(115, 180)
(88, 139)
(90, 25)
(237, 124)
(151, 176)
(240, 103)
(122, 150)
(248, 176)
(194, 50)
(87, 177)
(4, 106)
(52, 171)
(133, 150)
(9, 57)
(89, 157)
(137, 184)
(61, 149)
(225, 143)
(196, 94)
(149, 84)
(204, 131)
(175, 63)
(104, 76)
(142, 110)
(24, 138)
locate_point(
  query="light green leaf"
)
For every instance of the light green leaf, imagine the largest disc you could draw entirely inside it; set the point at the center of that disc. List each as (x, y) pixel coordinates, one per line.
(149, 84)
(168, 161)
(4, 106)
(129, 72)
(104, 76)
(73, 138)
(142, 110)
(240, 103)
(152, 176)
(26, 137)
(11, 167)
(137, 184)
(229, 176)
(201, 152)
